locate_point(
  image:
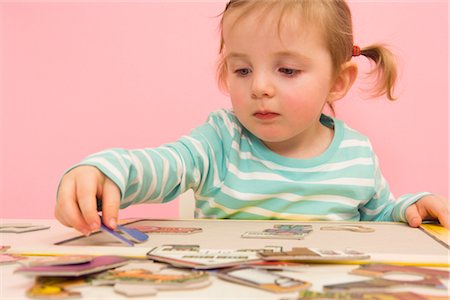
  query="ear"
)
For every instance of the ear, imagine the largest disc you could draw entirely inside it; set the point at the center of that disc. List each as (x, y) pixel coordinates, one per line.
(343, 81)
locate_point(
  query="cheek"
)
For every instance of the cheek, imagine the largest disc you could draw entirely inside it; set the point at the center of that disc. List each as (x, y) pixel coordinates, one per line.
(304, 102)
(237, 103)
(237, 94)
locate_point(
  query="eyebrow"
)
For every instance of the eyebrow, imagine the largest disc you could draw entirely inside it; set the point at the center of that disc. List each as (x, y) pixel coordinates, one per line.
(292, 54)
(235, 55)
(289, 54)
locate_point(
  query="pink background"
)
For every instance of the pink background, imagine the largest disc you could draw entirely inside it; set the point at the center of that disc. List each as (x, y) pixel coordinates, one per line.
(76, 78)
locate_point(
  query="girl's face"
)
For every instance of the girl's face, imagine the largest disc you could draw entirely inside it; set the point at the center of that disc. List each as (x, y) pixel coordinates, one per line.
(278, 78)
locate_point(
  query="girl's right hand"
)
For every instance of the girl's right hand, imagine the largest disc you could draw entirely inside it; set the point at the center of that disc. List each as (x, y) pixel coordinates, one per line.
(77, 200)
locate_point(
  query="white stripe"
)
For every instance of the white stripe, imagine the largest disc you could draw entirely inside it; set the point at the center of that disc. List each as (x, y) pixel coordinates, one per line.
(198, 146)
(179, 165)
(254, 196)
(230, 125)
(153, 181)
(123, 160)
(351, 129)
(347, 181)
(206, 161)
(135, 162)
(256, 175)
(381, 187)
(110, 167)
(164, 175)
(271, 214)
(407, 202)
(373, 212)
(354, 143)
(180, 168)
(321, 168)
(120, 159)
(289, 197)
(275, 177)
(361, 161)
(166, 171)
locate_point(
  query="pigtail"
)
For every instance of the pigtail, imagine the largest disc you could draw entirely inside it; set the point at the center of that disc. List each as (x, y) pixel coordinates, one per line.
(385, 69)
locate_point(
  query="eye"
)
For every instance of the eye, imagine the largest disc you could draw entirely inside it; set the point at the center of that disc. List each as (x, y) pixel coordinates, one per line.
(288, 71)
(242, 72)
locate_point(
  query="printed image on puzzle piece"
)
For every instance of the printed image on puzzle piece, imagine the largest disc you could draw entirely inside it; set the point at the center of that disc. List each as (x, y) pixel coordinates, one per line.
(280, 231)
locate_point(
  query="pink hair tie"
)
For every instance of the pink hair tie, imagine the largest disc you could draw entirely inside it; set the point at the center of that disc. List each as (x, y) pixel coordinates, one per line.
(356, 51)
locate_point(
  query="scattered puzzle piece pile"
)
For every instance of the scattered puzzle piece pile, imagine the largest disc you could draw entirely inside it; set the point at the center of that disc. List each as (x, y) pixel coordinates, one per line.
(184, 267)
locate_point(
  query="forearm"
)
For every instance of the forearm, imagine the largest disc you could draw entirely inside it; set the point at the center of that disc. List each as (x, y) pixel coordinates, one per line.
(385, 207)
(145, 175)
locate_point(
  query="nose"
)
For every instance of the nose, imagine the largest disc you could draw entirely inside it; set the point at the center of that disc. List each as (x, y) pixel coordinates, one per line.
(262, 86)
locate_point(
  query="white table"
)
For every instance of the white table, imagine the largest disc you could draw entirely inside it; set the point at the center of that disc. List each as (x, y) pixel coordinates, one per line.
(13, 286)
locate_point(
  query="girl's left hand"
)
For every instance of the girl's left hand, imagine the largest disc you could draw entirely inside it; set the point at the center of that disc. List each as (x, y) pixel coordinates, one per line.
(431, 207)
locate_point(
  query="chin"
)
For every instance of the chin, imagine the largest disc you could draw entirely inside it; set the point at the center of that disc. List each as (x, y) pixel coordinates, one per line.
(270, 134)
(270, 138)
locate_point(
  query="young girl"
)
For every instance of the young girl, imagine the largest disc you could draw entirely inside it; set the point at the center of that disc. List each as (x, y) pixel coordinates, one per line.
(275, 155)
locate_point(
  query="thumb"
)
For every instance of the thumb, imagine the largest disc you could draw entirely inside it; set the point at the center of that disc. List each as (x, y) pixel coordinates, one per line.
(412, 216)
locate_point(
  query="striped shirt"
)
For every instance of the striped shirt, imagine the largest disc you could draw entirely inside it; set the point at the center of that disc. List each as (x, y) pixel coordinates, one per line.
(234, 175)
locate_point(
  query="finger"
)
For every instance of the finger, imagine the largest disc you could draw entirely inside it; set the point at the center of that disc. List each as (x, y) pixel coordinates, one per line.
(434, 208)
(67, 211)
(86, 191)
(444, 220)
(412, 216)
(110, 203)
(442, 214)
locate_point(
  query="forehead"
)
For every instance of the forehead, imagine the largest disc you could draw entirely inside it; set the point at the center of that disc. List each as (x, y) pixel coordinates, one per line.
(286, 22)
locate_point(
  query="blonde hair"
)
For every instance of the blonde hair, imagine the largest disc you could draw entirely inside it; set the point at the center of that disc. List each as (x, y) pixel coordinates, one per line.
(334, 19)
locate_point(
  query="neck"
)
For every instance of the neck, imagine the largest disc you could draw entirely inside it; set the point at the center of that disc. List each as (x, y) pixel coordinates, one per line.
(306, 145)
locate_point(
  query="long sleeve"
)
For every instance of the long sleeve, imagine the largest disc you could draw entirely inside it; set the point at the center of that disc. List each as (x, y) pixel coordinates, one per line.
(384, 206)
(160, 174)
(234, 175)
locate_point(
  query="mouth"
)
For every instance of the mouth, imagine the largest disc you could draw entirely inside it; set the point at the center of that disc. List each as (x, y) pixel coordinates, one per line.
(265, 115)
